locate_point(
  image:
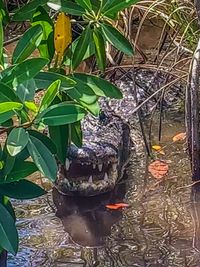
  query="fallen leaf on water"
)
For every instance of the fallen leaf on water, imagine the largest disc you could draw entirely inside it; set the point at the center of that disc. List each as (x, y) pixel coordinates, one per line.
(158, 169)
(179, 137)
(158, 149)
(117, 206)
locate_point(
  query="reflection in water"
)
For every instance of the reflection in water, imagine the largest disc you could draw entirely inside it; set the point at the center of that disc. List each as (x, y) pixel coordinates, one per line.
(87, 220)
(161, 228)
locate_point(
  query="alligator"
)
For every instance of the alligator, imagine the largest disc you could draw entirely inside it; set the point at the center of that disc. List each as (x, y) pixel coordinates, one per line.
(99, 164)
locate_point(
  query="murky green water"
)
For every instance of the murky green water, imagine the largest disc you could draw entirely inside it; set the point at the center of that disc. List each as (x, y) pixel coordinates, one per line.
(160, 228)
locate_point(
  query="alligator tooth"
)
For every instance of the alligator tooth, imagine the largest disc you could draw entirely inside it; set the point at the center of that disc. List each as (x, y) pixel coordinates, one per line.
(94, 166)
(105, 176)
(100, 167)
(114, 166)
(67, 164)
(90, 179)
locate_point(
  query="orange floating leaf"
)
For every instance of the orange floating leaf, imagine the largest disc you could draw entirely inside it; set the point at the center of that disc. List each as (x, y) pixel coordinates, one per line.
(117, 206)
(158, 169)
(179, 137)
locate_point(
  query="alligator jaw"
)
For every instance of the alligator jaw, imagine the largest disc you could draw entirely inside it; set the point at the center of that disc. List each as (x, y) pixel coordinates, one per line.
(88, 178)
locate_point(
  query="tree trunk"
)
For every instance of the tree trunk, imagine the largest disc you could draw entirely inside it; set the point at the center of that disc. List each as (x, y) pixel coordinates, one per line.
(197, 5)
(192, 114)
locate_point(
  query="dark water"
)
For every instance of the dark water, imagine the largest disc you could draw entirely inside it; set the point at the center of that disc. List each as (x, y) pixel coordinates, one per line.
(160, 228)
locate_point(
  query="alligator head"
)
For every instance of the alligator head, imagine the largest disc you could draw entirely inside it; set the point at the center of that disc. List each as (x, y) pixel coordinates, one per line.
(98, 164)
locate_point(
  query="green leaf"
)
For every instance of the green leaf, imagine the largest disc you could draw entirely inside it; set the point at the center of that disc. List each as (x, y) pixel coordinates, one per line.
(23, 71)
(45, 79)
(81, 47)
(63, 113)
(27, 44)
(100, 51)
(67, 7)
(7, 110)
(70, 51)
(17, 141)
(7, 204)
(4, 15)
(6, 116)
(21, 170)
(7, 106)
(43, 158)
(114, 37)
(7, 94)
(46, 47)
(22, 189)
(26, 90)
(60, 134)
(31, 106)
(86, 4)
(100, 86)
(27, 11)
(76, 133)
(111, 7)
(8, 231)
(9, 163)
(50, 95)
(45, 140)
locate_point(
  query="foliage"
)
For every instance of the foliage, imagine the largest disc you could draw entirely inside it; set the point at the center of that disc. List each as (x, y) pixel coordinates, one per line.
(67, 97)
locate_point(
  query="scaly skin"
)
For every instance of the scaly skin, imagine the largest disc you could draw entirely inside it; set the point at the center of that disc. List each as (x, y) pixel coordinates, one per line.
(99, 164)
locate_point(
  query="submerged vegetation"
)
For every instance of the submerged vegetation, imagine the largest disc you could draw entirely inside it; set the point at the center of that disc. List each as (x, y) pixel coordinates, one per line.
(44, 97)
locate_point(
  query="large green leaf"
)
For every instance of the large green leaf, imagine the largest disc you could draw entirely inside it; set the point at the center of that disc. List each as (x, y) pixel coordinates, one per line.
(45, 79)
(26, 90)
(100, 86)
(20, 170)
(100, 51)
(43, 158)
(114, 37)
(27, 44)
(16, 141)
(45, 140)
(23, 71)
(22, 189)
(27, 11)
(68, 7)
(50, 94)
(59, 134)
(111, 7)
(86, 4)
(81, 47)
(46, 47)
(8, 231)
(61, 114)
(7, 94)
